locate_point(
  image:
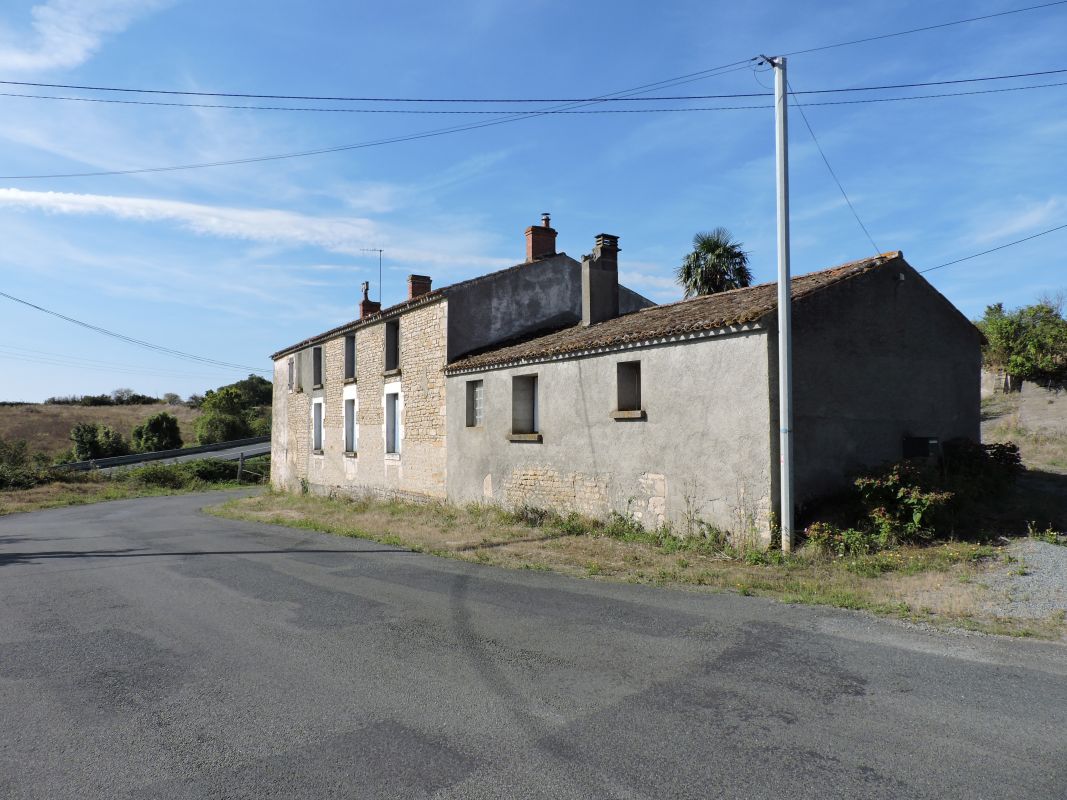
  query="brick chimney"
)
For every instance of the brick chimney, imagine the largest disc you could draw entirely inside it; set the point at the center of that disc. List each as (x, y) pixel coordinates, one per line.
(600, 281)
(366, 305)
(418, 285)
(540, 240)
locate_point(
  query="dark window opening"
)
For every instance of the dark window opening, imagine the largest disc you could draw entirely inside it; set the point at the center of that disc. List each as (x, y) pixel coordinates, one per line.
(629, 385)
(350, 358)
(524, 411)
(392, 345)
(316, 367)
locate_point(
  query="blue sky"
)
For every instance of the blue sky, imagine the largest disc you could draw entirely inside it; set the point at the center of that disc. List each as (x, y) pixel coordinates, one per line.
(235, 262)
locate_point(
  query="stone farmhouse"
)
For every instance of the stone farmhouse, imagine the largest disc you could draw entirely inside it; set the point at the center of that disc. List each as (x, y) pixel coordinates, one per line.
(549, 384)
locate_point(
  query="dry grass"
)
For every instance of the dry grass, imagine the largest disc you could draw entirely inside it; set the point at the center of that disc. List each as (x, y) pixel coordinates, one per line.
(57, 495)
(939, 585)
(1041, 450)
(46, 428)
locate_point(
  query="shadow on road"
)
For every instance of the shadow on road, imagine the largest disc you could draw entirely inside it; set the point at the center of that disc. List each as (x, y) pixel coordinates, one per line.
(7, 559)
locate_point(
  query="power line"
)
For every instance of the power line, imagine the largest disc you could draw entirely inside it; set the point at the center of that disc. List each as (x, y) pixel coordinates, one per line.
(524, 115)
(924, 28)
(629, 99)
(833, 174)
(131, 340)
(995, 249)
(552, 113)
(642, 89)
(66, 359)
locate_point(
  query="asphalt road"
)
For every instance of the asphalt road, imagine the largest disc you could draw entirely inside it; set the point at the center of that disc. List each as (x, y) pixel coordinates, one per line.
(150, 651)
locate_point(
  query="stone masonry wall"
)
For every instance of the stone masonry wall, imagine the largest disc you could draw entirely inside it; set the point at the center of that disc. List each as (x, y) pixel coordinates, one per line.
(419, 469)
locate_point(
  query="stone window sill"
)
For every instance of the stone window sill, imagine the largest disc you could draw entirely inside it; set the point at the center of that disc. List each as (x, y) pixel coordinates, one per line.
(390, 373)
(349, 380)
(525, 437)
(392, 456)
(316, 386)
(350, 454)
(318, 452)
(636, 414)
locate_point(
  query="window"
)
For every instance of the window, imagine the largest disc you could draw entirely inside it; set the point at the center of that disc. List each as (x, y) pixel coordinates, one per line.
(392, 345)
(629, 383)
(292, 374)
(316, 368)
(317, 426)
(524, 412)
(392, 423)
(351, 427)
(350, 357)
(475, 404)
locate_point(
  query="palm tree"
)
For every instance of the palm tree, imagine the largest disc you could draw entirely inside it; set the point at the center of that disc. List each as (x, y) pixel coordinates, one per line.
(717, 264)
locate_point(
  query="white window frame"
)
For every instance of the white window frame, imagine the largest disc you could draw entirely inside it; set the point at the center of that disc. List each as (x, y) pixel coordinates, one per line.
(350, 394)
(398, 423)
(318, 432)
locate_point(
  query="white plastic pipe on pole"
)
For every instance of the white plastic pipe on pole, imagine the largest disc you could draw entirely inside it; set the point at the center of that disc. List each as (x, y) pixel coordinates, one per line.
(785, 333)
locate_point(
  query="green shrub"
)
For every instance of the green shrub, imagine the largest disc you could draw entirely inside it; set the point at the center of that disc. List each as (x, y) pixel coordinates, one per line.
(214, 426)
(18, 477)
(158, 432)
(905, 502)
(92, 441)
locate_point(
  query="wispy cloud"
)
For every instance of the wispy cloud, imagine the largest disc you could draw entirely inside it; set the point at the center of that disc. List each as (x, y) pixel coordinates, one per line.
(1032, 215)
(344, 235)
(67, 33)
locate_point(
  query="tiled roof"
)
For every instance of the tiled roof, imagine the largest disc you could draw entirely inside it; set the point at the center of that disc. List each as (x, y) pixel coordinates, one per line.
(399, 308)
(706, 313)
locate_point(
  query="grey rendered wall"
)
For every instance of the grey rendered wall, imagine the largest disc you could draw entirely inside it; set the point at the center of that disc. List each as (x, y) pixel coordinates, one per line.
(703, 450)
(877, 358)
(540, 296)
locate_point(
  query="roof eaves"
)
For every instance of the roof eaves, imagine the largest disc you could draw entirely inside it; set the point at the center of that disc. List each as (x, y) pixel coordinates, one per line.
(459, 368)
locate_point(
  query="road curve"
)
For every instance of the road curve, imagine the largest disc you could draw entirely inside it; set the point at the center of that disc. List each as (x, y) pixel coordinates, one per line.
(150, 651)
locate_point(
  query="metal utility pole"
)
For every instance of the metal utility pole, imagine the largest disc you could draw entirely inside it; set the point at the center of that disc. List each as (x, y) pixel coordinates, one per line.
(377, 250)
(785, 332)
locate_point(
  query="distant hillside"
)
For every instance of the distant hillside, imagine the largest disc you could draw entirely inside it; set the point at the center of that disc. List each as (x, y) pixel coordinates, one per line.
(46, 428)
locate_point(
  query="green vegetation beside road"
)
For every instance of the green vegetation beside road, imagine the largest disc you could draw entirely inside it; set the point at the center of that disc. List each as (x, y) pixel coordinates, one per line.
(25, 486)
(939, 584)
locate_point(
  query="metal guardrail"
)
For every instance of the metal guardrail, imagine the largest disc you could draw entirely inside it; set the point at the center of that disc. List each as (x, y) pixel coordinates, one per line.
(137, 458)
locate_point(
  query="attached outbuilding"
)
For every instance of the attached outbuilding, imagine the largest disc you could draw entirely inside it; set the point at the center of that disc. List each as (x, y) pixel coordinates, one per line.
(670, 413)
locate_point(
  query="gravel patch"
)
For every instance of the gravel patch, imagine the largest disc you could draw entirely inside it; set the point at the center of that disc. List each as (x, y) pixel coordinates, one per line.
(1039, 593)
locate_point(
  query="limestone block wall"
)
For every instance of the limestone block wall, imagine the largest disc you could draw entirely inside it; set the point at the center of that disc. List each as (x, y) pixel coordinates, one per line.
(420, 467)
(290, 445)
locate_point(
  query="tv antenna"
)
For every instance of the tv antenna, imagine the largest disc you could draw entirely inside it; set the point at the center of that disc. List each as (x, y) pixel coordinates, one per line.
(377, 250)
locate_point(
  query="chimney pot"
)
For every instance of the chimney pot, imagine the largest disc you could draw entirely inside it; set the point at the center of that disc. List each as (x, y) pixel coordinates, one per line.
(418, 285)
(540, 240)
(366, 305)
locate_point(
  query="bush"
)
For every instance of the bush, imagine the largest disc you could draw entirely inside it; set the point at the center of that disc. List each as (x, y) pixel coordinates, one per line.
(158, 432)
(18, 477)
(214, 427)
(92, 441)
(914, 501)
(904, 502)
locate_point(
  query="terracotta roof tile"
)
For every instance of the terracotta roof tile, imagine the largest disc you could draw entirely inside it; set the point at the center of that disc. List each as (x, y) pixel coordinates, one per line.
(705, 313)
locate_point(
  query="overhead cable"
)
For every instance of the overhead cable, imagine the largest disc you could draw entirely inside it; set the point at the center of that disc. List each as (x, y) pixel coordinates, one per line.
(924, 28)
(599, 100)
(131, 340)
(833, 174)
(995, 249)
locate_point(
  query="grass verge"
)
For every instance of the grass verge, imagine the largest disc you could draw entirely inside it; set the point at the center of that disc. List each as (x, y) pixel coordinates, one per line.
(151, 480)
(939, 584)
